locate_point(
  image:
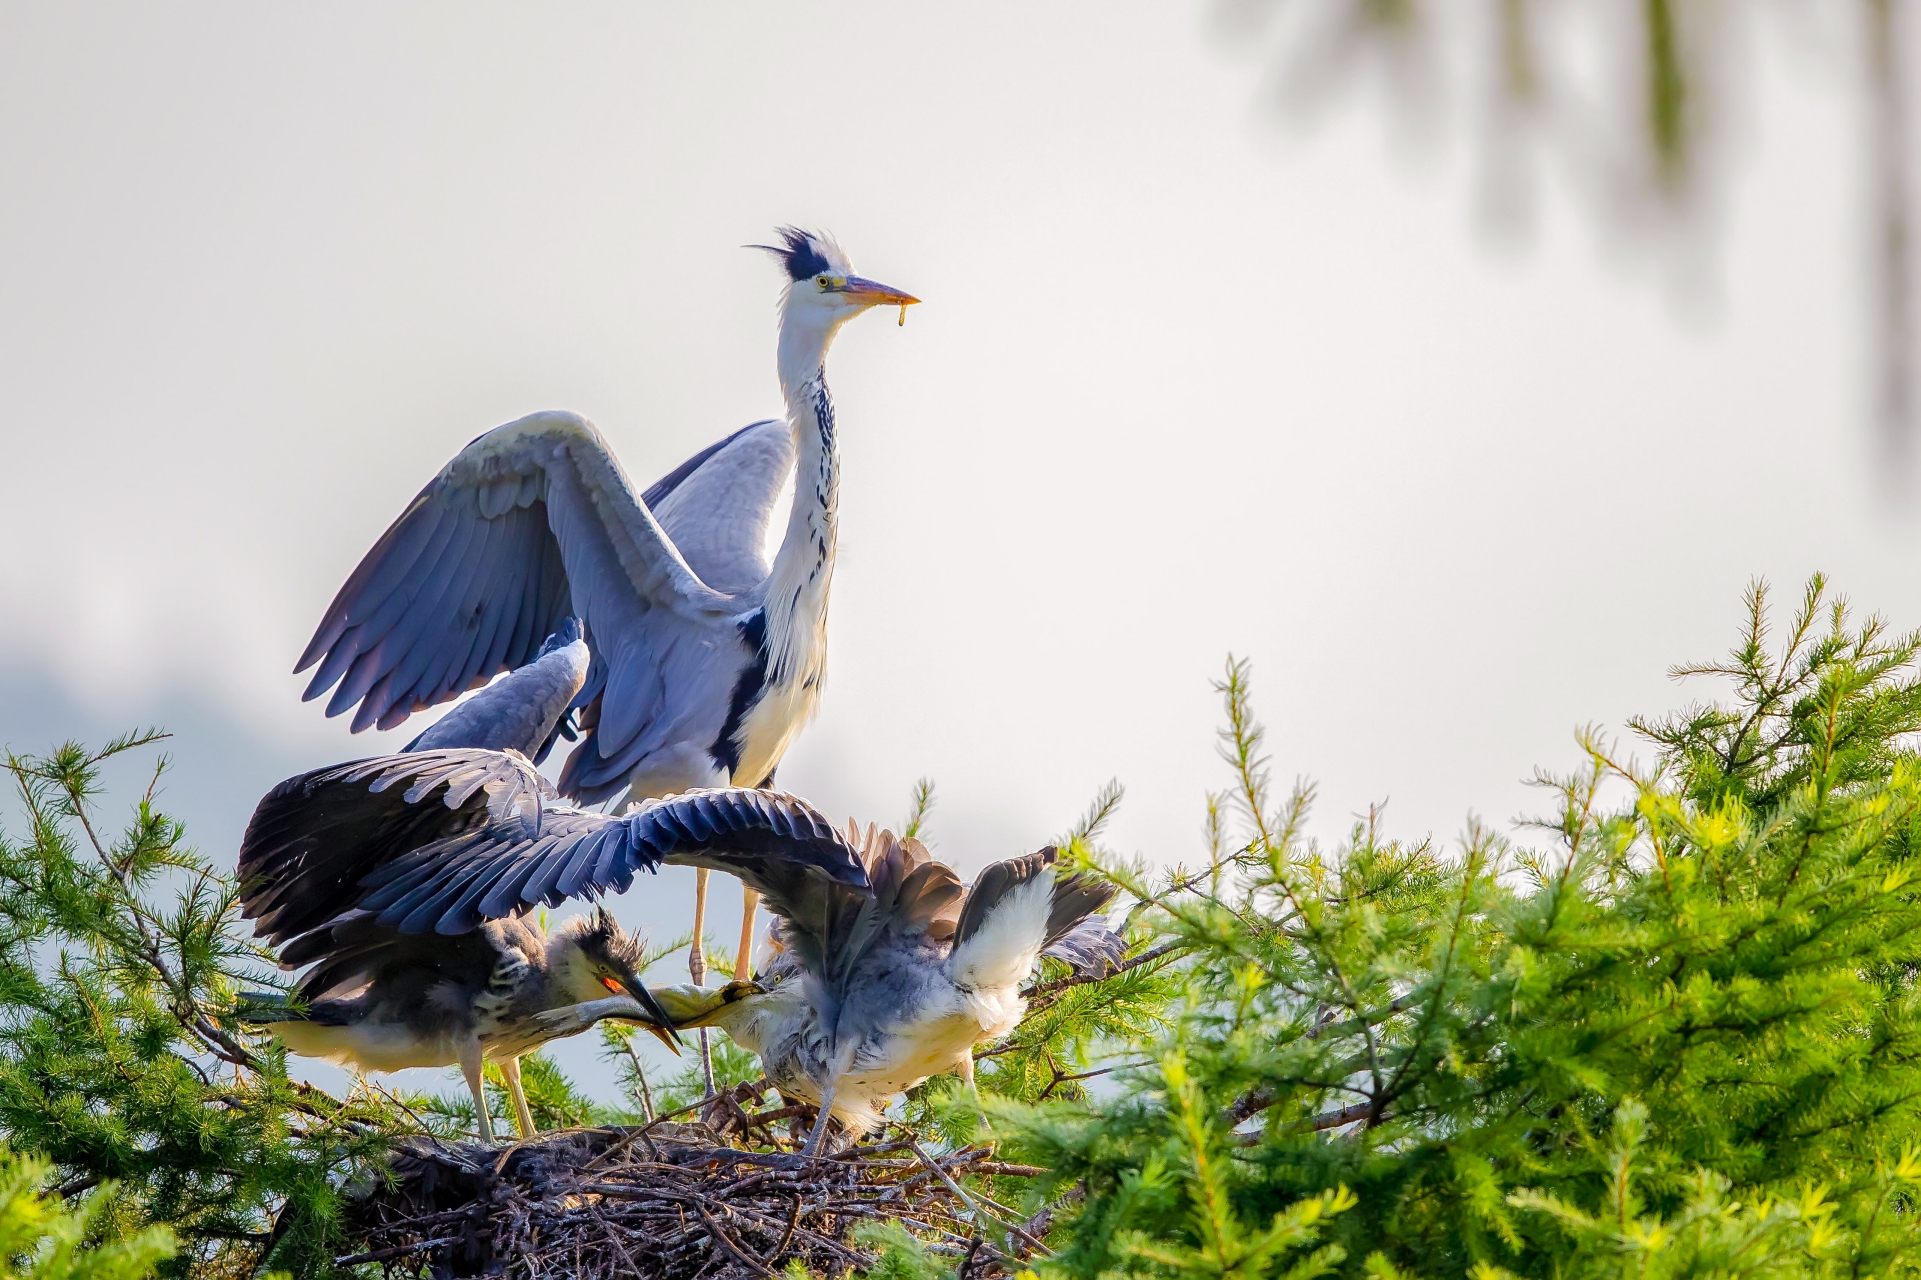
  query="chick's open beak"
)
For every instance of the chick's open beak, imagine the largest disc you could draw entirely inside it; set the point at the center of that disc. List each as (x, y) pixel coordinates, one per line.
(875, 294)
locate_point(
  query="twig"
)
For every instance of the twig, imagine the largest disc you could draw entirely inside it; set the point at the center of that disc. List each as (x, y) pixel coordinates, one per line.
(398, 1251)
(726, 1242)
(1316, 1124)
(979, 1209)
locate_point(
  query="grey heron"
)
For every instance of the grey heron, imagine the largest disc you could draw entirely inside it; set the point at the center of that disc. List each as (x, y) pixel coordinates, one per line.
(313, 859)
(707, 658)
(873, 990)
(379, 999)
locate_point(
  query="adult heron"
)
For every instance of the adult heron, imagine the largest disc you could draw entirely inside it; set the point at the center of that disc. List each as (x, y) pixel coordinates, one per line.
(708, 658)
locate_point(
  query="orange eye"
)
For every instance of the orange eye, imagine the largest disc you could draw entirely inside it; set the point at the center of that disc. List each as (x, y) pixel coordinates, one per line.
(611, 985)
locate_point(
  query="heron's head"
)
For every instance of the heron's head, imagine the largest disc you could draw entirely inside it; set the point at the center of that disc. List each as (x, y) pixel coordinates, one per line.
(822, 289)
(593, 957)
(568, 632)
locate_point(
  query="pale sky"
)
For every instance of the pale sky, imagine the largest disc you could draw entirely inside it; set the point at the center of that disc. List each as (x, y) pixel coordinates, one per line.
(1187, 380)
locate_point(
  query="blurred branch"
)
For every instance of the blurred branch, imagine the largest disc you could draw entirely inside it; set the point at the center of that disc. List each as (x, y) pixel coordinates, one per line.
(1642, 143)
(1888, 161)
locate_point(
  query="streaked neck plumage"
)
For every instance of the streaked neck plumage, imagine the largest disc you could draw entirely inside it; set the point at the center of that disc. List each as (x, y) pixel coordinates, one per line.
(796, 598)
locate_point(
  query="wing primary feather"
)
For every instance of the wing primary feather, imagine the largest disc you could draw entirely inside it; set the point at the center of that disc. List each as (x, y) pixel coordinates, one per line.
(421, 643)
(395, 552)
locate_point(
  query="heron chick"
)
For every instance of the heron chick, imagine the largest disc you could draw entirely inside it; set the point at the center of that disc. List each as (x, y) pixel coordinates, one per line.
(377, 999)
(871, 991)
(388, 877)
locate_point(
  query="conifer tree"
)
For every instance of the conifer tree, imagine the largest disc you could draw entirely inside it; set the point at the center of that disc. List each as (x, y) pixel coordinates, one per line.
(117, 957)
(1676, 1033)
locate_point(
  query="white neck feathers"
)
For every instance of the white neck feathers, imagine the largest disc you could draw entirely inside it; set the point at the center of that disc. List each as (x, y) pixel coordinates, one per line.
(797, 589)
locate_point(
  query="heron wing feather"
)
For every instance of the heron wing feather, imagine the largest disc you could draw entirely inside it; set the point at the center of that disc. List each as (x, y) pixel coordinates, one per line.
(314, 838)
(530, 522)
(718, 505)
(1003, 929)
(776, 843)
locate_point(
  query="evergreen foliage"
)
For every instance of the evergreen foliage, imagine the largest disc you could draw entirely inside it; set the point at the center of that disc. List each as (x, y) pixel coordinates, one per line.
(1673, 1030)
(1677, 1037)
(42, 1239)
(115, 1070)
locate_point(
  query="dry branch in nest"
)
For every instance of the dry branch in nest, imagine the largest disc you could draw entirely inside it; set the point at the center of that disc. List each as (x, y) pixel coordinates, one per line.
(672, 1201)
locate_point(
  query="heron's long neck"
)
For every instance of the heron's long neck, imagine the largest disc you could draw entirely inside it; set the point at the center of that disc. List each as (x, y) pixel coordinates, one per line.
(796, 600)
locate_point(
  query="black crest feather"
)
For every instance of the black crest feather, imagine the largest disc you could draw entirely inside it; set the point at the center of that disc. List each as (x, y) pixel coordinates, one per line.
(604, 939)
(799, 251)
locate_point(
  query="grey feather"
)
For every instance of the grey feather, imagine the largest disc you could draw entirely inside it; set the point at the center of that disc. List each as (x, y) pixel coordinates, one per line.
(518, 712)
(1090, 948)
(530, 522)
(876, 993)
(313, 838)
(776, 843)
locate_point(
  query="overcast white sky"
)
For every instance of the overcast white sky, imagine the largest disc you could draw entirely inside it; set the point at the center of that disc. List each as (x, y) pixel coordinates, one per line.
(1184, 383)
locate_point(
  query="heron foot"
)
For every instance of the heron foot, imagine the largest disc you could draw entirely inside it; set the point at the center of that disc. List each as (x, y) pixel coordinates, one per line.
(817, 1140)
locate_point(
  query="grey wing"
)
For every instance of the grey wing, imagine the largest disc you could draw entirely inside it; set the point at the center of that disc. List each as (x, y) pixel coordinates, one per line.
(518, 712)
(1075, 896)
(777, 843)
(1002, 954)
(531, 522)
(1090, 948)
(354, 951)
(313, 838)
(716, 505)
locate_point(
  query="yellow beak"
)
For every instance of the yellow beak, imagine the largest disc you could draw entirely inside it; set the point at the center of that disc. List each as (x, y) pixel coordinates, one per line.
(691, 1006)
(875, 294)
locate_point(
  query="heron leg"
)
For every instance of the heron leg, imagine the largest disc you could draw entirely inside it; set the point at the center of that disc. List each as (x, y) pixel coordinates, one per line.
(697, 969)
(966, 1068)
(470, 1060)
(819, 1135)
(744, 958)
(697, 954)
(510, 1068)
(843, 1063)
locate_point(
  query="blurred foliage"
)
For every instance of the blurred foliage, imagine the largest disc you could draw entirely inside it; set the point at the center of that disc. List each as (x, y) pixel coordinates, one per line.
(1631, 105)
(42, 1239)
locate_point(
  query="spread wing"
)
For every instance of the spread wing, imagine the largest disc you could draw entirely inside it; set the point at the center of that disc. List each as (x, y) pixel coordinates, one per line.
(354, 950)
(774, 842)
(521, 710)
(1090, 948)
(313, 838)
(908, 894)
(715, 506)
(1015, 910)
(531, 522)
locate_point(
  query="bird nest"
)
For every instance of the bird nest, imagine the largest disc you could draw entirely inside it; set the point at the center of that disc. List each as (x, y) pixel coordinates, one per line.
(678, 1202)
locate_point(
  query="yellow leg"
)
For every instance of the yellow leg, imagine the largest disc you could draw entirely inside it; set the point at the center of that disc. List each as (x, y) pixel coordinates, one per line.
(697, 954)
(744, 958)
(524, 1118)
(470, 1066)
(697, 968)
